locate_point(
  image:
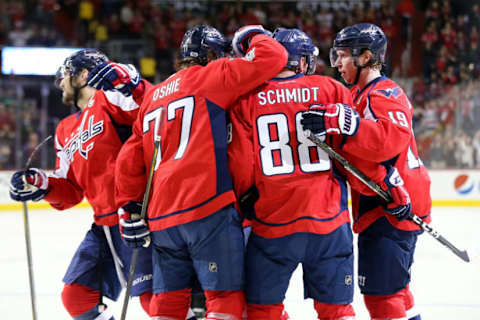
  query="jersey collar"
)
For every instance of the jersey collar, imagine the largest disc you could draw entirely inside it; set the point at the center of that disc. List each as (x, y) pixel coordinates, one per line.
(370, 84)
(298, 75)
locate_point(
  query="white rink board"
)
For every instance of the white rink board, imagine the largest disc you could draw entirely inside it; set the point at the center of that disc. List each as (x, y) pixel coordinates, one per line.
(445, 287)
(449, 187)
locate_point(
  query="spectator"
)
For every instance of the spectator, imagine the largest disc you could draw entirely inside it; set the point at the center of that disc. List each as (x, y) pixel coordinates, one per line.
(464, 151)
(406, 10)
(19, 36)
(436, 153)
(476, 147)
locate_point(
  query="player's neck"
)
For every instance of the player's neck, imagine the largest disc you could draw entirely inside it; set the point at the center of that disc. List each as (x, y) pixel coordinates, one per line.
(285, 74)
(367, 76)
(84, 97)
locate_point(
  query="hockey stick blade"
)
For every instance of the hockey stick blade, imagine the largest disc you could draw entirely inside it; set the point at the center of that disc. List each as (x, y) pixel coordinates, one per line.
(384, 195)
(425, 226)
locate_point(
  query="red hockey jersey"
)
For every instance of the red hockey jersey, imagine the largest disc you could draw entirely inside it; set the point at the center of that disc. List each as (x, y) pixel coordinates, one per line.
(385, 136)
(192, 180)
(87, 144)
(299, 191)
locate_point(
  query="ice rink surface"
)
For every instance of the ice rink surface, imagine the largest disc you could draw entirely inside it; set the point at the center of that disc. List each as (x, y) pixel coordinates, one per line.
(444, 286)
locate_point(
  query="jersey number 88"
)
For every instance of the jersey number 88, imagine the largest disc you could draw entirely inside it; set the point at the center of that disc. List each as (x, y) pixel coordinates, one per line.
(278, 143)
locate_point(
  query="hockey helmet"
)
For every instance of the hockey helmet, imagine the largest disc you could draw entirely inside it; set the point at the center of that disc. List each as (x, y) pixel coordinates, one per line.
(298, 45)
(199, 40)
(79, 60)
(358, 38)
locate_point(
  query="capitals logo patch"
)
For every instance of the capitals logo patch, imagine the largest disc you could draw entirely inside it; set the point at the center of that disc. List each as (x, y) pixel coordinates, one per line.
(80, 140)
(395, 92)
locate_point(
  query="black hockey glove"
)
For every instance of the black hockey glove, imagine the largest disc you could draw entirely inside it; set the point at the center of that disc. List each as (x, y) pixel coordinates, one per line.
(28, 185)
(133, 229)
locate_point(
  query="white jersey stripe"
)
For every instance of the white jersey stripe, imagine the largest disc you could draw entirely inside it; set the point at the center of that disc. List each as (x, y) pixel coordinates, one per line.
(118, 99)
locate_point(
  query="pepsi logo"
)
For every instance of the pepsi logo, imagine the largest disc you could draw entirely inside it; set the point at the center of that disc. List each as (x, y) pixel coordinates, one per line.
(463, 184)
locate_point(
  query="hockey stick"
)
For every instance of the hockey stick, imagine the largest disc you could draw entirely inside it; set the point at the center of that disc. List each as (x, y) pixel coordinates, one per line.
(143, 215)
(385, 195)
(28, 244)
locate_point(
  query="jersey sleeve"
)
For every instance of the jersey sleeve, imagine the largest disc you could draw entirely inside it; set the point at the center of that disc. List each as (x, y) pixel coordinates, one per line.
(235, 77)
(384, 131)
(123, 110)
(140, 91)
(130, 170)
(63, 190)
(241, 149)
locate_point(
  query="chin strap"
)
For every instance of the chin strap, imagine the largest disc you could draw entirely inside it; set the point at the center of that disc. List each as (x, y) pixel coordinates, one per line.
(76, 92)
(359, 70)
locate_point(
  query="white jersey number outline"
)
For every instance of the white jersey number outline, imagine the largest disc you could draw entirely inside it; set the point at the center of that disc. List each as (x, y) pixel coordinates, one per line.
(282, 145)
(188, 105)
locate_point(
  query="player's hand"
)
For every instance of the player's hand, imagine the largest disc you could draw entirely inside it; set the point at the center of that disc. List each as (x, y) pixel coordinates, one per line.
(243, 36)
(114, 76)
(28, 185)
(400, 207)
(133, 229)
(335, 118)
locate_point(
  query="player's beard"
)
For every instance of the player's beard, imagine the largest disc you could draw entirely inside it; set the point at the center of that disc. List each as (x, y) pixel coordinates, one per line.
(68, 98)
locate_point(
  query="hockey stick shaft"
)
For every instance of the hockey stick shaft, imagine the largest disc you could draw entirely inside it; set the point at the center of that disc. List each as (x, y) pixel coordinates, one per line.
(386, 196)
(143, 215)
(28, 243)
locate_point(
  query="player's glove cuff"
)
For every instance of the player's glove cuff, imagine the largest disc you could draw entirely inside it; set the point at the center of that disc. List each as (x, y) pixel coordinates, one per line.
(109, 76)
(28, 185)
(243, 36)
(336, 118)
(133, 229)
(400, 207)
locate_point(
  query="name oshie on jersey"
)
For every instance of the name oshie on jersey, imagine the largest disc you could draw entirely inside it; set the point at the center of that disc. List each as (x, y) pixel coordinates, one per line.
(82, 137)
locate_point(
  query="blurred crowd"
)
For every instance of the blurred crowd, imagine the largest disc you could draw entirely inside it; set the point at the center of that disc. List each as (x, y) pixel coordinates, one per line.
(433, 52)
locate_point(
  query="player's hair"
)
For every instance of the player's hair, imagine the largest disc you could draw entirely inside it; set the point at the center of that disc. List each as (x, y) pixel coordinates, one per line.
(200, 45)
(189, 61)
(298, 45)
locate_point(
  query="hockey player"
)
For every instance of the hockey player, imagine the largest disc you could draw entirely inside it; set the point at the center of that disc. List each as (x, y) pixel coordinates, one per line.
(194, 227)
(383, 135)
(87, 144)
(289, 189)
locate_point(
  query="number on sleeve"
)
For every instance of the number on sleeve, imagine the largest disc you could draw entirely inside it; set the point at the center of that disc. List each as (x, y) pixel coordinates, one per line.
(398, 118)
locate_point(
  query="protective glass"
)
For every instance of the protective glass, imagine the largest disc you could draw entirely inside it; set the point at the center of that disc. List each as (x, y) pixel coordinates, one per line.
(333, 57)
(62, 72)
(312, 61)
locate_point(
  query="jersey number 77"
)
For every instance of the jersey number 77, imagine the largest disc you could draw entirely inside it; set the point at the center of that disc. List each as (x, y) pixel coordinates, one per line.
(188, 105)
